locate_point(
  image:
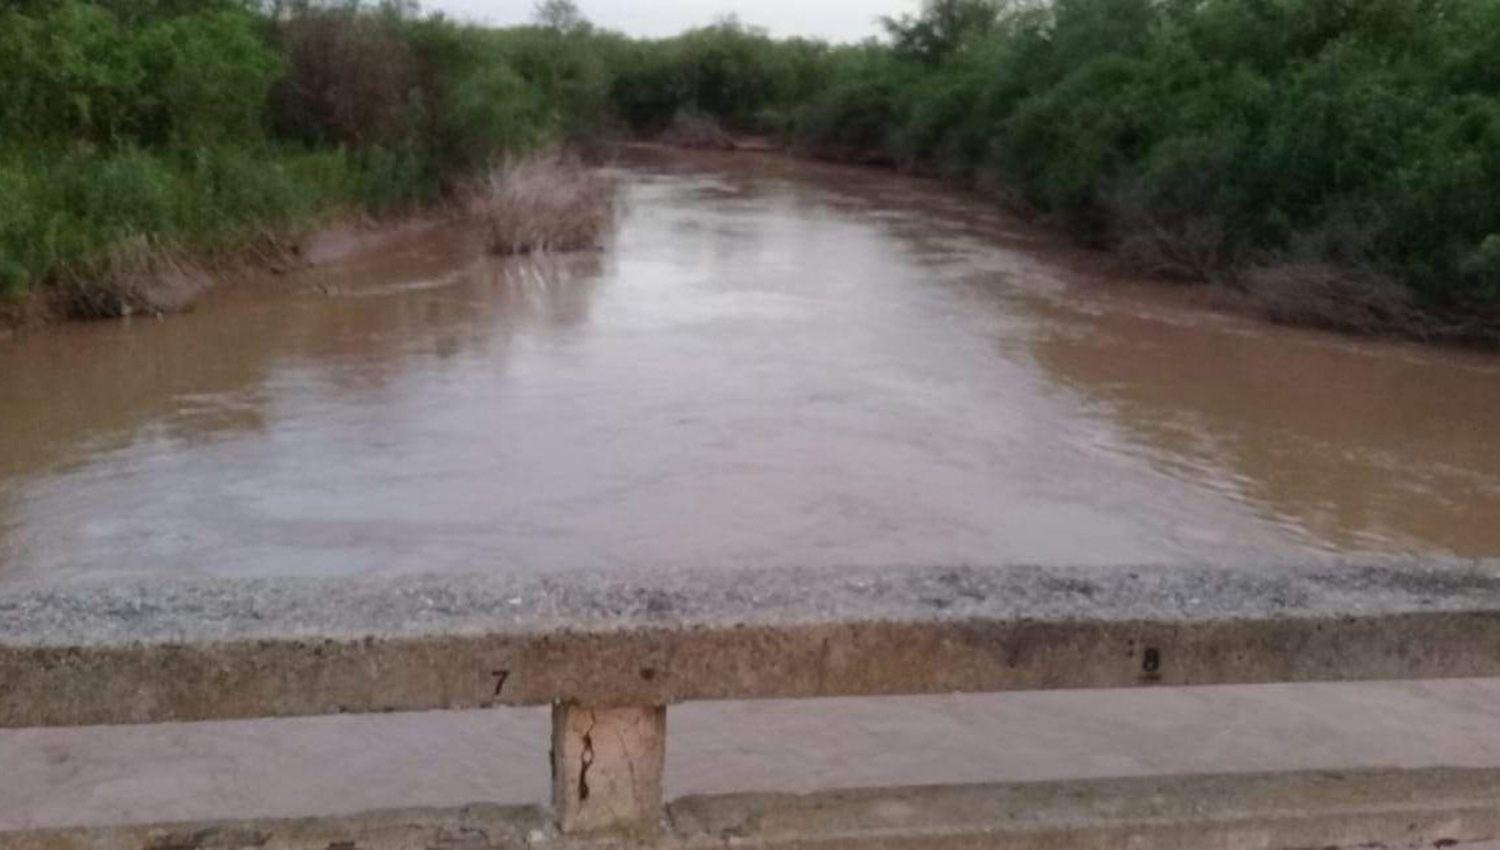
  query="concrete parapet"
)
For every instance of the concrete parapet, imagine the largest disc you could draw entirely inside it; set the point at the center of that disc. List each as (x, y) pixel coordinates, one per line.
(168, 651)
(609, 651)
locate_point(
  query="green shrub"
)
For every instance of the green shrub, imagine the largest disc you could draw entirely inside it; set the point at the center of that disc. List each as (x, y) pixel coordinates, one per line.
(204, 79)
(733, 73)
(67, 71)
(476, 105)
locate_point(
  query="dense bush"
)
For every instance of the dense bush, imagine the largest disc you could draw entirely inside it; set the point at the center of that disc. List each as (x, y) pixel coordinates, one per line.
(735, 73)
(349, 79)
(1204, 137)
(72, 71)
(570, 66)
(1340, 142)
(133, 129)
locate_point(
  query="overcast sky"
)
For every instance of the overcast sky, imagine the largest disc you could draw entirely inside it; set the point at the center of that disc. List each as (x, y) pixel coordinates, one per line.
(835, 20)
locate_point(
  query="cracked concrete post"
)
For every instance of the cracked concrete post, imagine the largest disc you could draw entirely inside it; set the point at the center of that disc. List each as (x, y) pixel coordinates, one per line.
(607, 768)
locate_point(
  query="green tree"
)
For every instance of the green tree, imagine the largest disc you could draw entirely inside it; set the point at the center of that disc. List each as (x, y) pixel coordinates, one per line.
(943, 27)
(561, 16)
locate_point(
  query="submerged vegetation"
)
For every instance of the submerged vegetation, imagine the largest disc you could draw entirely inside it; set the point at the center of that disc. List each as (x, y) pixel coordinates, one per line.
(1337, 161)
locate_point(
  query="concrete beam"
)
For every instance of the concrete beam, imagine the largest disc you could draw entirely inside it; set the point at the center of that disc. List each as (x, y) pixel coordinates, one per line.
(1330, 811)
(200, 650)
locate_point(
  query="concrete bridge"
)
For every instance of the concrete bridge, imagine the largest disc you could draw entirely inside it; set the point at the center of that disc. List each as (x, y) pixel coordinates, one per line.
(610, 652)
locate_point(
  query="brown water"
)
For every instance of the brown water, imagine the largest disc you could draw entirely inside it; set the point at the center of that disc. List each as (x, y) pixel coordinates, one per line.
(772, 363)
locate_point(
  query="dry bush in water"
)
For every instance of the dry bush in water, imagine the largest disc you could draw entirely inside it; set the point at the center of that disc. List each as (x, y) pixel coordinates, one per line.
(1189, 249)
(1336, 298)
(697, 130)
(1182, 242)
(545, 203)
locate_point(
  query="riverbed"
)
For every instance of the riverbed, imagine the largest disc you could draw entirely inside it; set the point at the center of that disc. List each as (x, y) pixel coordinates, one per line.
(772, 362)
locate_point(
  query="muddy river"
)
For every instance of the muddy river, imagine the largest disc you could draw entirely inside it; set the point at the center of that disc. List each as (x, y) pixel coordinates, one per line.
(772, 363)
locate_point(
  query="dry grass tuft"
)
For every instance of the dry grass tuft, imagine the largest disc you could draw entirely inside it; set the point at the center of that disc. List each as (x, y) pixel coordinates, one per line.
(137, 276)
(545, 203)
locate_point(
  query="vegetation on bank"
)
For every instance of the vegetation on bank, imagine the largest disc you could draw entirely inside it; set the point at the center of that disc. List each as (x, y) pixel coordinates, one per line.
(1343, 150)
(136, 135)
(1338, 160)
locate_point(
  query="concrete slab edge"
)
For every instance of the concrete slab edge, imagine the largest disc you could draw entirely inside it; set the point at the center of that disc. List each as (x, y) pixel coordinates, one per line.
(1294, 811)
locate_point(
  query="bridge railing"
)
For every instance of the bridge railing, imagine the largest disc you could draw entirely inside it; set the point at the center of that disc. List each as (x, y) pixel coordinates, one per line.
(611, 652)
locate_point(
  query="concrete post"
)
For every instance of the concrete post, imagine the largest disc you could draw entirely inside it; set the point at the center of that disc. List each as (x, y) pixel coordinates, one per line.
(607, 768)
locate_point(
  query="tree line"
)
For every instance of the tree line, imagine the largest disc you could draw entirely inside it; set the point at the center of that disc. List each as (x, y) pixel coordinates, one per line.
(1338, 158)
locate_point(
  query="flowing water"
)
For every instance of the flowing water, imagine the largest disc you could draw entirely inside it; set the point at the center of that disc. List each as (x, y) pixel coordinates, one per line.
(772, 363)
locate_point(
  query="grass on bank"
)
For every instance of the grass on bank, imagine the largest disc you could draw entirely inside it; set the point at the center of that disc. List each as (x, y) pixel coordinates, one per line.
(93, 228)
(137, 233)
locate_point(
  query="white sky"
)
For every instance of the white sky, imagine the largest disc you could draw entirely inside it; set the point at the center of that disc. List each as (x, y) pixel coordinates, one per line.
(835, 20)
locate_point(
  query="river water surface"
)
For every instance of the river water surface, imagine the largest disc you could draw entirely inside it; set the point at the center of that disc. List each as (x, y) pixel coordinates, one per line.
(772, 363)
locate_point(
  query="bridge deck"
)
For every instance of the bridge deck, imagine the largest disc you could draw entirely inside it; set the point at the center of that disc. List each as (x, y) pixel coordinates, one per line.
(608, 652)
